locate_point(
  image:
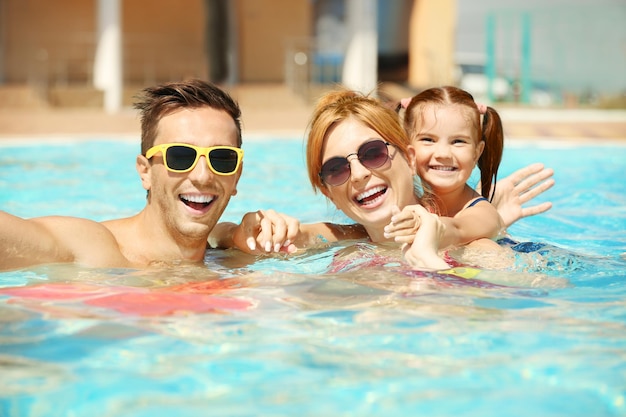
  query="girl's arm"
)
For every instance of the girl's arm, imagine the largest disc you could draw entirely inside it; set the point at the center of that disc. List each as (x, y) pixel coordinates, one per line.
(510, 194)
(479, 221)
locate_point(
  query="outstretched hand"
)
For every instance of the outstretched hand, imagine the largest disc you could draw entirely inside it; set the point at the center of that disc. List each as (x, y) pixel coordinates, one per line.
(266, 231)
(519, 188)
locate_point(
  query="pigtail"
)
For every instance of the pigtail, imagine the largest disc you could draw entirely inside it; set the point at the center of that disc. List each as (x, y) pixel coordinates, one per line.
(489, 161)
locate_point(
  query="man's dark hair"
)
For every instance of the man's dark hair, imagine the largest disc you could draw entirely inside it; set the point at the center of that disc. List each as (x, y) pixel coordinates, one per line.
(156, 102)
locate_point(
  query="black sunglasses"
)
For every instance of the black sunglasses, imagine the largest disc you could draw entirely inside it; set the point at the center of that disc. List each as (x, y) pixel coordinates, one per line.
(371, 155)
(183, 157)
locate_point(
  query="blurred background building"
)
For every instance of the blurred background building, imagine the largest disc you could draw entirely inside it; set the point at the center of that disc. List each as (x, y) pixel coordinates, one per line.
(85, 52)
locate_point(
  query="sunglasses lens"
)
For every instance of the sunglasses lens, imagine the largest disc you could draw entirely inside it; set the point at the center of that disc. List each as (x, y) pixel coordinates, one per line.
(180, 158)
(224, 161)
(335, 171)
(373, 154)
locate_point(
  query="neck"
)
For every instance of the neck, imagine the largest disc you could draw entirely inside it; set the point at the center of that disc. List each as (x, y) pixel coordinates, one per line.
(377, 234)
(162, 244)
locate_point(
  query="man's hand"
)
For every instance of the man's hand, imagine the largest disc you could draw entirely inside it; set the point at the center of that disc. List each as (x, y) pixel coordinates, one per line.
(266, 231)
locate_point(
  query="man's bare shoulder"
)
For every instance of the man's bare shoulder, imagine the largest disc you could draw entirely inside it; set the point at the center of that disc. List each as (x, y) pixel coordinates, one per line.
(90, 242)
(53, 239)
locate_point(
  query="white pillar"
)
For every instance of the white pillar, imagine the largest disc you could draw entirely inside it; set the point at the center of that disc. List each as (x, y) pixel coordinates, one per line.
(360, 68)
(107, 72)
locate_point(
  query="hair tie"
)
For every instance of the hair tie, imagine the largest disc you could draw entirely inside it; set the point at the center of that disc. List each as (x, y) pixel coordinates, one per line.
(482, 109)
(405, 102)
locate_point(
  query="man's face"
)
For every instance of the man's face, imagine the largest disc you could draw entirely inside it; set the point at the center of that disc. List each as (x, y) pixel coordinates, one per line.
(191, 203)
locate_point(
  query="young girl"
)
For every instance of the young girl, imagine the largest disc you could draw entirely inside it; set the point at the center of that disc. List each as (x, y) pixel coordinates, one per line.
(452, 134)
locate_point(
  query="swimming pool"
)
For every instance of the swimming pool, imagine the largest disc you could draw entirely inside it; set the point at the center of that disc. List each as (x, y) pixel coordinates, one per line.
(274, 336)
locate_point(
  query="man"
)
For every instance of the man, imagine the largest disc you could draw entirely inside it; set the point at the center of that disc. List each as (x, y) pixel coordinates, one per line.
(190, 164)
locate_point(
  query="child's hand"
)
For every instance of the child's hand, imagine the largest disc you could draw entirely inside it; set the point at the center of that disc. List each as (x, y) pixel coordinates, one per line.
(404, 224)
(519, 188)
(266, 231)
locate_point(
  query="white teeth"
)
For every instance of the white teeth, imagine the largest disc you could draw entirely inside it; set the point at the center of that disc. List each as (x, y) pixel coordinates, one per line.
(370, 192)
(441, 168)
(194, 198)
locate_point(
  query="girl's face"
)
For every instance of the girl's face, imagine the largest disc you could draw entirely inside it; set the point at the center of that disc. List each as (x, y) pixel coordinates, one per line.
(446, 147)
(369, 194)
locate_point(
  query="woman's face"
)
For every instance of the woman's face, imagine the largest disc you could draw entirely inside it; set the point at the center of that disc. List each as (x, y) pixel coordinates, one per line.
(369, 194)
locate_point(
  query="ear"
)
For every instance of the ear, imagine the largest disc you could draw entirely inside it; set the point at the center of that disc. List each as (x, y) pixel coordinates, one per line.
(479, 150)
(411, 157)
(143, 167)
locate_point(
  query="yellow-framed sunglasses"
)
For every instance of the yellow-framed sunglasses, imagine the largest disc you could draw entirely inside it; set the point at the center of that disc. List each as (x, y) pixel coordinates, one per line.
(183, 157)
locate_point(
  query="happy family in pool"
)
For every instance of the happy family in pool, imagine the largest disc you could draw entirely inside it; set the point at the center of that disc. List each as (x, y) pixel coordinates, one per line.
(400, 174)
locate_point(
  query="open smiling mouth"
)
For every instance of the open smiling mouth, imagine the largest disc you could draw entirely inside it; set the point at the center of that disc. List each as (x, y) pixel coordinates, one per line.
(370, 196)
(442, 168)
(197, 202)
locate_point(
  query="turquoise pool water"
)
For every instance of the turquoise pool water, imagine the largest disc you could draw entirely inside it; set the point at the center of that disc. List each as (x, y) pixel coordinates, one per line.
(243, 336)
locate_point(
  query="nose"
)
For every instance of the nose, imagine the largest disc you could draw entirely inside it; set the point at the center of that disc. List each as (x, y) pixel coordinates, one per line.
(358, 172)
(442, 149)
(201, 172)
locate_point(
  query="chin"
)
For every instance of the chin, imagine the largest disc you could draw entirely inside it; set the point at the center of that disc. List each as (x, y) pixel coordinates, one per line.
(195, 230)
(375, 219)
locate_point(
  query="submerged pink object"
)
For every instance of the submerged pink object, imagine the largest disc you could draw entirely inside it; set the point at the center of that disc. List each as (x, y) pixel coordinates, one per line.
(181, 299)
